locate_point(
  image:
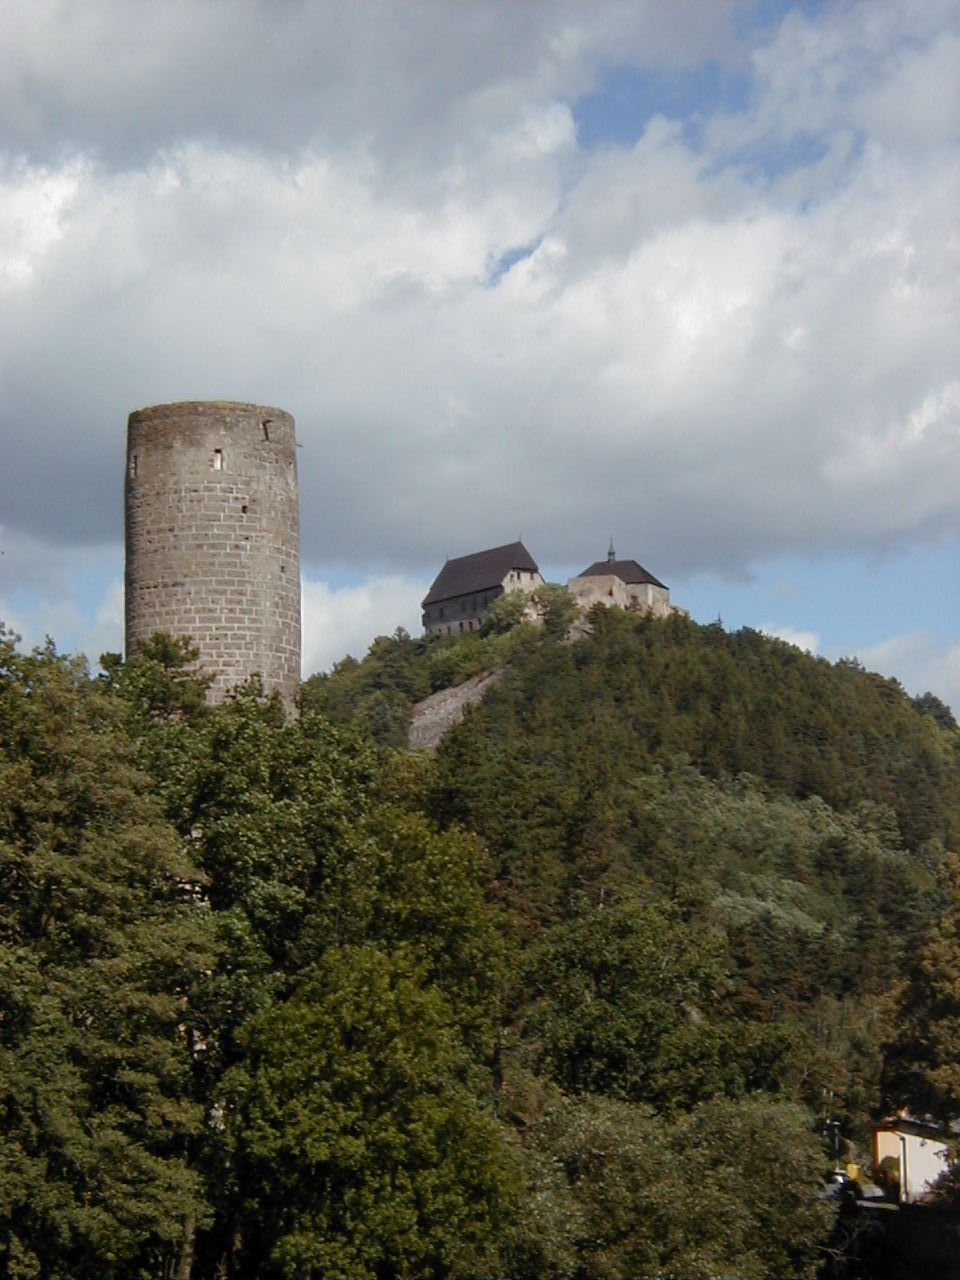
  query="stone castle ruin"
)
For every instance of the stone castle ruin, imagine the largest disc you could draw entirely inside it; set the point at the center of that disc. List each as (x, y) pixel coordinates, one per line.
(465, 589)
(212, 538)
(623, 583)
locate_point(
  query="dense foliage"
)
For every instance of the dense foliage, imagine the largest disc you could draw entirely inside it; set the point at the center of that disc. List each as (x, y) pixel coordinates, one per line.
(579, 995)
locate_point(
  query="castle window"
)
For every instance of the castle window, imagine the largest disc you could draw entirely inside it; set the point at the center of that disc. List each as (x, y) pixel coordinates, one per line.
(134, 462)
(266, 428)
(216, 462)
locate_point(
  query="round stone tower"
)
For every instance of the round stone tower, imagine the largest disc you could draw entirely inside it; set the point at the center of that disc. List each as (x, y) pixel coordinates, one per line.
(213, 538)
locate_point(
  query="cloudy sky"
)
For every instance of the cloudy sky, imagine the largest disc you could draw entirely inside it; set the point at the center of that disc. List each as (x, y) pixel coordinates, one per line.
(686, 275)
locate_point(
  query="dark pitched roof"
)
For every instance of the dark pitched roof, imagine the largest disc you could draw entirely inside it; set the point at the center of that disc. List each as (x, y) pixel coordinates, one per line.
(478, 572)
(626, 570)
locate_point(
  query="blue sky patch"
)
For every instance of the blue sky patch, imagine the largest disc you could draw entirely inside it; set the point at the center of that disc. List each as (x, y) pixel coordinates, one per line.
(627, 98)
(844, 599)
(506, 260)
(776, 157)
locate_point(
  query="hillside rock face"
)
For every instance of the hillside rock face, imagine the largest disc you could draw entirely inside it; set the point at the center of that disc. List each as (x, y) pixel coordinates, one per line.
(441, 711)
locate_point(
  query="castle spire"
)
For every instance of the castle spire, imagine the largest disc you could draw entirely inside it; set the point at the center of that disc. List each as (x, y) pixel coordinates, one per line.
(611, 554)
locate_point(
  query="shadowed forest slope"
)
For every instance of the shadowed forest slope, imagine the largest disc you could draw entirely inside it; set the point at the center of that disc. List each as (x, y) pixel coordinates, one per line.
(580, 993)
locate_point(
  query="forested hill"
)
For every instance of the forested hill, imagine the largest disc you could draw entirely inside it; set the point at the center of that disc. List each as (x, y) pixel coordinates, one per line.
(636, 692)
(578, 994)
(797, 811)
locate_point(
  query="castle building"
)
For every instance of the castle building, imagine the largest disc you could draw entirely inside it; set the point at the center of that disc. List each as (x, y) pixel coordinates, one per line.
(621, 582)
(212, 538)
(465, 588)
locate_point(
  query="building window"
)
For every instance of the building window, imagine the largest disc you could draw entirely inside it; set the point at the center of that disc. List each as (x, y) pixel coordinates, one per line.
(134, 463)
(266, 428)
(216, 462)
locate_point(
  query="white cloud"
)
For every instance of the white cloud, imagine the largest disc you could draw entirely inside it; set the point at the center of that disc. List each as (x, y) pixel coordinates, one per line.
(65, 618)
(759, 361)
(808, 641)
(408, 83)
(341, 621)
(722, 343)
(33, 204)
(921, 662)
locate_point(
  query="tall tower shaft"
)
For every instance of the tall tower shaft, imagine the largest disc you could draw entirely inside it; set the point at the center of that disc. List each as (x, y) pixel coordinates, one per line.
(213, 538)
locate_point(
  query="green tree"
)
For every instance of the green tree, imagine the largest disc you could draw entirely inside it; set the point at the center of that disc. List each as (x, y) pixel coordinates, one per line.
(729, 1189)
(310, 841)
(162, 680)
(608, 987)
(367, 1149)
(923, 1068)
(273, 811)
(509, 610)
(103, 951)
(933, 706)
(753, 1169)
(428, 890)
(556, 609)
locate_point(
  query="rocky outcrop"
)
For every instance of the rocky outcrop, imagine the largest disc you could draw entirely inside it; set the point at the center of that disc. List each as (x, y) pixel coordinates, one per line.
(441, 711)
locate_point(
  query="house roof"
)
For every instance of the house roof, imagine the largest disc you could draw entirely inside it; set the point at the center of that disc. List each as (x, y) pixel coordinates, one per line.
(626, 570)
(924, 1126)
(478, 572)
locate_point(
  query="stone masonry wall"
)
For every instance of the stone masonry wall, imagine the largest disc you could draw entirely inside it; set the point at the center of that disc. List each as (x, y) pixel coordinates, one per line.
(608, 589)
(467, 612)
(213, 539)
(464, 613)
(441, 711)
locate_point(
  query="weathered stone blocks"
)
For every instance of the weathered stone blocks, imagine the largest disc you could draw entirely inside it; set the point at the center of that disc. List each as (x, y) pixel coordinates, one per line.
(213, 538)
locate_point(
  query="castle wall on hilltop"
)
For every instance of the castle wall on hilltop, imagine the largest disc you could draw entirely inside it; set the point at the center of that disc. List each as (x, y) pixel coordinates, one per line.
(609, 589)
(213, 538)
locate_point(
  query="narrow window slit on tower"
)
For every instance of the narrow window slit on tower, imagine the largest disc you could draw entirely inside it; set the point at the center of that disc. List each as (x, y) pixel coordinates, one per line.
(266, 428)
(134, 461)
(216, 462)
